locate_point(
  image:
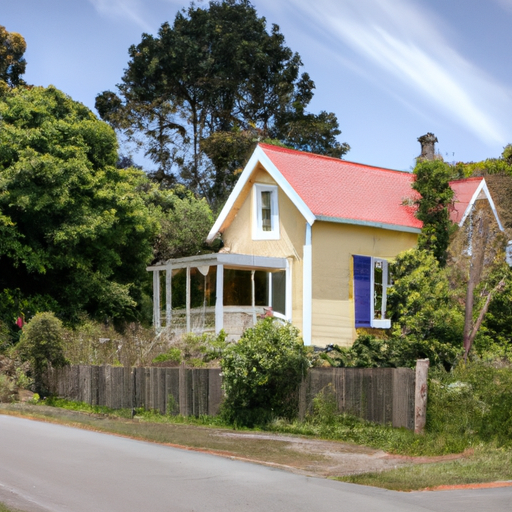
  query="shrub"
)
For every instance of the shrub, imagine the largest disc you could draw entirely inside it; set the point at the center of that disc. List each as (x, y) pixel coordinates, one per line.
(7, 389)
(473, 400)
(41, 344)
(262, 373)
(197, 350)
(370, 351)
(173, 355)
(325, 406)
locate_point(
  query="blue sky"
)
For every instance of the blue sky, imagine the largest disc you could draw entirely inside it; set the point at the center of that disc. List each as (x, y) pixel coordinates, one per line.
(391, 70)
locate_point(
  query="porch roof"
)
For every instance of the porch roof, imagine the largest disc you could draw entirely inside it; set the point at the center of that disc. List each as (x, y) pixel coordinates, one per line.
(248, 261)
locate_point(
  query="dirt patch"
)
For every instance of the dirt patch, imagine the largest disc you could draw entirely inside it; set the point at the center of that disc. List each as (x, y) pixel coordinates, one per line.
(326, 458)
(487, 485)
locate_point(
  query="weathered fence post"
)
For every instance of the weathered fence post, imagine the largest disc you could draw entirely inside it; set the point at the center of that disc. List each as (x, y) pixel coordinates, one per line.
(183, 391)
(420, 396)
(303, 398)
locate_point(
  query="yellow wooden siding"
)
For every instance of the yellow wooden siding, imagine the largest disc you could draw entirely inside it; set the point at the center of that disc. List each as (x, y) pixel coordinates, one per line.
(292, 225)
(333, 247)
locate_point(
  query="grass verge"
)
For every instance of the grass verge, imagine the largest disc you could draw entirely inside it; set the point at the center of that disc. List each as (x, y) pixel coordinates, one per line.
(203, 434)
(485, 462)
(5, 508)
(485, 465)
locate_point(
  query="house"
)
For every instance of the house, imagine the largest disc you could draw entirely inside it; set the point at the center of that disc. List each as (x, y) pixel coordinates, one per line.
(307, 237)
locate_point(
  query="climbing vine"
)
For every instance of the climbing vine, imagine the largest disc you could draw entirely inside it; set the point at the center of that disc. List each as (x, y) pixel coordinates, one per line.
(434, 204)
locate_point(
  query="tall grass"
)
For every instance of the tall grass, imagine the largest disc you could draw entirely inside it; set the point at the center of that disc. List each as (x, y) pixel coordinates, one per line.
(473, 401)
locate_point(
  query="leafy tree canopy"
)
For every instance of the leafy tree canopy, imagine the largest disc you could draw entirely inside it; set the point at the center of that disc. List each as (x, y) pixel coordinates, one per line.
(215, 79)
(75, 232)
(12, 62)
(185, 223)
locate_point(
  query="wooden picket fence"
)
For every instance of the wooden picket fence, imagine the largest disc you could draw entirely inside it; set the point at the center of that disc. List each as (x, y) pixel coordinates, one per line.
(381, 395)
(185, 391)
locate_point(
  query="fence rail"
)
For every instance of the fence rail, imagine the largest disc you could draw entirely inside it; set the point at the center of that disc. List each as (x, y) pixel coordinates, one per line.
(381, 395)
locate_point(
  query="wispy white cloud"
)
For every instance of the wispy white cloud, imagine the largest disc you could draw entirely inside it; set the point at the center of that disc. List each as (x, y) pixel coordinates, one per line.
(411, 45)
(131, 10)
(506, 4)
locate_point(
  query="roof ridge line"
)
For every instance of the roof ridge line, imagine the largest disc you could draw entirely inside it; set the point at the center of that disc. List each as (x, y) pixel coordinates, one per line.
(331, 158)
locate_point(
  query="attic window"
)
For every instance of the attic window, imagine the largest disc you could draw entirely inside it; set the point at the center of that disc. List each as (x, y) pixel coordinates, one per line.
(266, 214)
(371, 281)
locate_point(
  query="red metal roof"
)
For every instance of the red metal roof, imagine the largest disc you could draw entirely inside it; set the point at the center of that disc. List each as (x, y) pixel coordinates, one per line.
(339, 189)
(335, 188)
(464, 190)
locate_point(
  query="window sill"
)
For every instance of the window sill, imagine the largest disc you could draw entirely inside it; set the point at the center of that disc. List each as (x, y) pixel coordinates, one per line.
(265, 235)
(381, 324)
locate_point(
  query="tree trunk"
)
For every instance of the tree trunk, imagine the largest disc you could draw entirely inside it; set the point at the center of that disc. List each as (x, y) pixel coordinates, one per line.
(475, 274)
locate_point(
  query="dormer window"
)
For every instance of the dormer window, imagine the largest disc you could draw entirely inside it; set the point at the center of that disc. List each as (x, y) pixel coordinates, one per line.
(266, 214)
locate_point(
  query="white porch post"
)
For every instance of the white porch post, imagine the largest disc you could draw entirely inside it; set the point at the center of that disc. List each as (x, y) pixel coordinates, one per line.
(156, 300)
(168, 295)
(288, 292)
(253, 298)
(219, 303)
(307, 287)
(188, 299)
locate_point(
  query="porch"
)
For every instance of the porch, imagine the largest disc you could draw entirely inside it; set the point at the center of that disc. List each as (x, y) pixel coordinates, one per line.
(211, 292)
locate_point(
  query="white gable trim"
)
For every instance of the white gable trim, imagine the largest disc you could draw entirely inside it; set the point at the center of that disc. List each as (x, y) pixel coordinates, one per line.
(481, 188)
(260, 156)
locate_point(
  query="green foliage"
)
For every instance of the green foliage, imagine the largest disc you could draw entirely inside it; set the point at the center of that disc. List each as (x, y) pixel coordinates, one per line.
(197, 350)
(421, 302)
(184, 225)
(172, 405)
(262, 372)
(506, 155)
(325, 406)
(370, 351)
(432, 183)
(7, 389)
(41, 344)
(215, 70)
(473, 401)
(12, 62)
(173, 355)
(486, 167)
(495, 336)
(76, 233)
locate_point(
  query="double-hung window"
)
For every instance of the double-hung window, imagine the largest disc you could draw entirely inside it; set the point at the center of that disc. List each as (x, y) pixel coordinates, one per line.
(266, 212)
(371, 281)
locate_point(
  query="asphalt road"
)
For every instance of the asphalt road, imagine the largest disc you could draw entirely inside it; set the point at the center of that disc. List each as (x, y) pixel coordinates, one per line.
(46, 467)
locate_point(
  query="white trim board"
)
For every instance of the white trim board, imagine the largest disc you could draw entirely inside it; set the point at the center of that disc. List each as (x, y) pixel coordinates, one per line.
(481, 188)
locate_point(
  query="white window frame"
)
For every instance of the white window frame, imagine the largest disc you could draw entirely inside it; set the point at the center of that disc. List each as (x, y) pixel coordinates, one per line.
(257, 228)
(383, 323)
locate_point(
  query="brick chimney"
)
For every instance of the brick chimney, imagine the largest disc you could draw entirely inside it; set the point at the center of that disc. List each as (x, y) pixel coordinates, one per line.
(427, 142)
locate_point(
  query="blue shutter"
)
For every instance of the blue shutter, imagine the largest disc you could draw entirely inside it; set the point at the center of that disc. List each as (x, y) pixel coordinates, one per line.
(362, 290)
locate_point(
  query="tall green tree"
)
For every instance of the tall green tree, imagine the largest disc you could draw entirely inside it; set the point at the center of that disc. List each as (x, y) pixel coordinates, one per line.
(217, 72)
(12, 62)
(76, 233)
